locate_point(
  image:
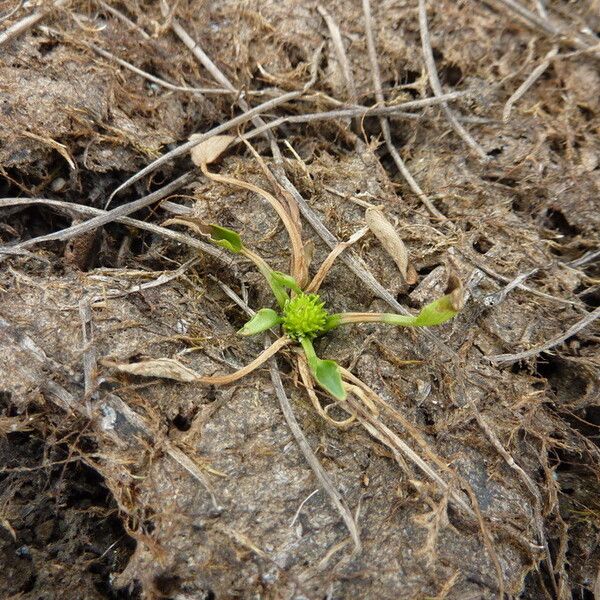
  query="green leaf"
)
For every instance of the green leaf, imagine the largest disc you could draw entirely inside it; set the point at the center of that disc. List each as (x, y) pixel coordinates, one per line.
(437, 312)
(264, 319)
(286, 280)
(328, 376)
(326, 372)
(227, 238)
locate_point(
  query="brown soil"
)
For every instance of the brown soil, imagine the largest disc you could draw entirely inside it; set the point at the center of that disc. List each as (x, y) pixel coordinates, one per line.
(116, 486)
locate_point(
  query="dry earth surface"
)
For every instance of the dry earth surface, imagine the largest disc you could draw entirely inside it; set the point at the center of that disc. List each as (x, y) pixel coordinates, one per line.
(123, 487)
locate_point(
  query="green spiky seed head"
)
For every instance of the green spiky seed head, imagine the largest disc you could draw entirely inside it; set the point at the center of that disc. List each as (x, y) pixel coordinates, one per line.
(304, 316)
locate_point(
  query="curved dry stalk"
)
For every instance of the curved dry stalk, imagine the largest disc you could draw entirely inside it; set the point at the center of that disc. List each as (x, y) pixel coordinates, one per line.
(390, 439)
(169, 368)
(307, 381)
(385, 435)
(398, 416)
(340, 53)
(297, 248)
(264, 356)
(326, 265)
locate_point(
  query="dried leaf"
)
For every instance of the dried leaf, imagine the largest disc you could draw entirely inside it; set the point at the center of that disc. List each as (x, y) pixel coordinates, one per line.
(166, 368)
(385, 232)
(455, 292)
(209, 150)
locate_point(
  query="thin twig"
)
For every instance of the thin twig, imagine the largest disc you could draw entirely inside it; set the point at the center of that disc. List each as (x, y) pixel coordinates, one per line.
(533, 77)
(239, 120)
(71, 207)
(133, 68)
(396, 110)
(28, 22)
(585, 259)
(549, 27)
(474, 259)
(89, 355)
(108, 216)
(529, 485)
(311, 458)
(385, 128)
(119, 15)
(510, 358)
(499, 296)
(436, 86)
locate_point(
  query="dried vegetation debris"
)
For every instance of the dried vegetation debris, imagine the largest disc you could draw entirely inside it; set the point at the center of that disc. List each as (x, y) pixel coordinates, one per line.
(242, 517)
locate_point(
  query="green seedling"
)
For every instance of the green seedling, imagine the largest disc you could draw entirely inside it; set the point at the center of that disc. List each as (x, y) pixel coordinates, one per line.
(303, 316)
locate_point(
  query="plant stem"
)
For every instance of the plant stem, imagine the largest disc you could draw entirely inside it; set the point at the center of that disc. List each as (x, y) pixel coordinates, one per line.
(357, 317)
(266, 271)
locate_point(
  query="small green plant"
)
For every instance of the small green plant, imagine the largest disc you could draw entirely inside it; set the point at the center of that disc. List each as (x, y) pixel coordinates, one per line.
(303, 316)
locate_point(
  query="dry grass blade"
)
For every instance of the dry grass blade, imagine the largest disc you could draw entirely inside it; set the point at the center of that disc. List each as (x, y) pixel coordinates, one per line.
(28, 22)
(239, 120)
(167, 85)
(60, 148)
(550, 27)
(70, 208)
(326, 265)
(436, 86)
(395, 110)
(386, 435)
(298, 267)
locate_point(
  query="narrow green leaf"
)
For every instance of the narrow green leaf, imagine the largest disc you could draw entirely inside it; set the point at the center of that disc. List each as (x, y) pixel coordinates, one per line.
(264, 319)
(227, 238)
(326, 372)
(286, 280)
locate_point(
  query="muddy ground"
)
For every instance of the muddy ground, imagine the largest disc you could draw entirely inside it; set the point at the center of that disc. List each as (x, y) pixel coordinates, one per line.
(117, 486)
